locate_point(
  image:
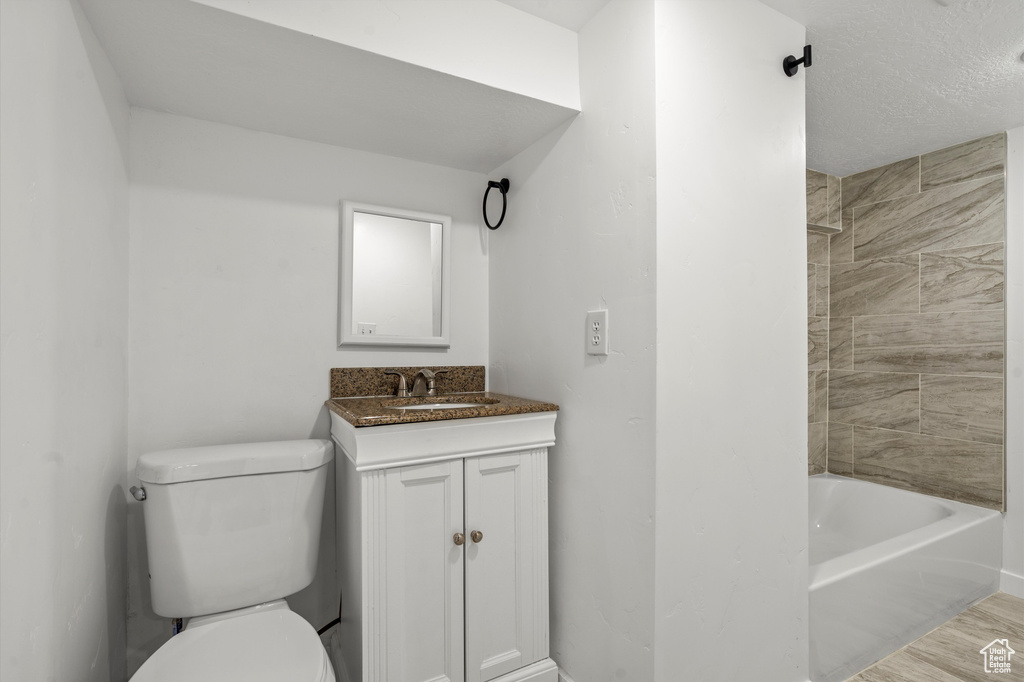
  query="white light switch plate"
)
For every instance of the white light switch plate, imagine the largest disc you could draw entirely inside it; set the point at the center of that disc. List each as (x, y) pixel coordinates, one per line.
(596, 338)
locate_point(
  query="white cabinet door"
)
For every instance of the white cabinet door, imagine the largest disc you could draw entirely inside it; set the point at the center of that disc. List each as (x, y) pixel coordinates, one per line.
(506, 570)
(424, 569)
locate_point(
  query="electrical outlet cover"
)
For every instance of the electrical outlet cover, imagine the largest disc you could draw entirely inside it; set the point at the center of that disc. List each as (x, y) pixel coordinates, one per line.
(596, 337)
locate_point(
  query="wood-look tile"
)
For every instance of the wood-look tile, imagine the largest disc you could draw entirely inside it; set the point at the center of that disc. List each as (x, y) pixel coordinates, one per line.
(968, 161)
(902, 667)
(840, 449)
(1005, 611)
(835, 204)
(817, 197)
(883, 286)
(812, 288)
(965, 214)
(819, 395)
(840, 343)
(930, 343)
(817, 447)
(881, 184)
(967, 408)
(955, 646)
(821, 290)
(817, 248)
(882, 399)
(817, 343)
(953, 469)
(810, 397)
(840, 247)
(970, 278)
(952, 652)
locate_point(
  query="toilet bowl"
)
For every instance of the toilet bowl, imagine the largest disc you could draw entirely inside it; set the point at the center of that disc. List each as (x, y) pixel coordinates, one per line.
(264, 645)
(230, 531)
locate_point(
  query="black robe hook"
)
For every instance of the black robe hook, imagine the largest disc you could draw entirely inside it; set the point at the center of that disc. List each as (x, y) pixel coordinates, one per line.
(790, 63)
(503, 188)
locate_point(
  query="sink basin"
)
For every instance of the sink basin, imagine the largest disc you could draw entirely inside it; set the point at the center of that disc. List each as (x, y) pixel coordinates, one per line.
(455, 402)
(435, 406)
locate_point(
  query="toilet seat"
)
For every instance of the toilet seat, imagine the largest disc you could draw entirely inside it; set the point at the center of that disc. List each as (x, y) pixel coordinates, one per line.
(265, 646)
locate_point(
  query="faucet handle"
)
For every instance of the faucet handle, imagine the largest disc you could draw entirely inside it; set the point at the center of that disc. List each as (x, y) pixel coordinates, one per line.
(403, 387)
(437, 373)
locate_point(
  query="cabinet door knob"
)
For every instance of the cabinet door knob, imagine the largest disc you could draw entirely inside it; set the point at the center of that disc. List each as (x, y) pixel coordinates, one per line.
(477, 536)
(458, 538)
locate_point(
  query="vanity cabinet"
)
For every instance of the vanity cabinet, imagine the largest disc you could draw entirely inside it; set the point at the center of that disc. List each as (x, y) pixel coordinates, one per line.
(444, 565)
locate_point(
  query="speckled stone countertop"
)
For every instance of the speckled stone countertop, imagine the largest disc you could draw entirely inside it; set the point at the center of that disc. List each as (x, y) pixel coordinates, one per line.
(380, 410)
(355, 382)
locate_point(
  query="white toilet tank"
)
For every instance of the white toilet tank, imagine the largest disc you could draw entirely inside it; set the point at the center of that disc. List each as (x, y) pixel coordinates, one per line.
(231, 526)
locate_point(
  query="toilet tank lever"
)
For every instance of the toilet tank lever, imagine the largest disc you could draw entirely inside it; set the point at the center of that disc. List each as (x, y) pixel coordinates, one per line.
(138, 493)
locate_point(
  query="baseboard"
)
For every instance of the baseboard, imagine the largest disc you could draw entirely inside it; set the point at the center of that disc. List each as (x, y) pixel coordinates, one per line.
(1011, 583)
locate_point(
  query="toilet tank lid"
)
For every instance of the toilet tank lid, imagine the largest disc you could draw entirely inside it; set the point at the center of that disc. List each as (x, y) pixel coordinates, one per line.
(222, 461)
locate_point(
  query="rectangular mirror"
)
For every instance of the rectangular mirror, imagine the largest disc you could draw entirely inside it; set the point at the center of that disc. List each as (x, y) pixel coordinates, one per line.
(394, 277)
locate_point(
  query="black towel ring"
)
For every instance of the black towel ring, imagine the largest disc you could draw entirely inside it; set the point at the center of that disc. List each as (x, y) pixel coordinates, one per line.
(503, 188)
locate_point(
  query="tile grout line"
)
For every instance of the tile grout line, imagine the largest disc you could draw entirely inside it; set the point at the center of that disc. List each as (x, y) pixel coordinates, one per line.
(991, 309)
(927, 374)
(919, 373)
(828, 327)
(934, 253)
(932, 189)
(913, 433)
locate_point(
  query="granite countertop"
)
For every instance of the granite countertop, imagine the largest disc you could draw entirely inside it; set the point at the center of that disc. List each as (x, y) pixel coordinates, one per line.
(380, 410)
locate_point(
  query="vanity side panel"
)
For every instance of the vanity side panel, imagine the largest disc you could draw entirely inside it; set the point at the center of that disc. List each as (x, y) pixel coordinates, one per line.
(350, 512)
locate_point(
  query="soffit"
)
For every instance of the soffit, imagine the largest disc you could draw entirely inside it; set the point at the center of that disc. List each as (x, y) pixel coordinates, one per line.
(189, 59)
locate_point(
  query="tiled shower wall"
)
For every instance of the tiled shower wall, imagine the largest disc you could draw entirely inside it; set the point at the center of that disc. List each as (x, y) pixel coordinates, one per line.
(913, 391)
(823, 216)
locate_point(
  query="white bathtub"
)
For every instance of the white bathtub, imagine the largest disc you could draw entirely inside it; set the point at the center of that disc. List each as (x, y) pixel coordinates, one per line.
(887, 566)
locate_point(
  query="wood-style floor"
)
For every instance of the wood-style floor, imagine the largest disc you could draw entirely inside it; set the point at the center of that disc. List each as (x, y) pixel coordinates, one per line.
(951, 652)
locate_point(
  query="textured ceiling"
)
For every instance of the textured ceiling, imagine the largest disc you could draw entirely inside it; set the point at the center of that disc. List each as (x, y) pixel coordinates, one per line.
(570, 14)
(896, 78)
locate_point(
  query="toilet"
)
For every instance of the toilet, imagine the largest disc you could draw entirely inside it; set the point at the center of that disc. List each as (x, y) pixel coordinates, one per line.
(231, 531)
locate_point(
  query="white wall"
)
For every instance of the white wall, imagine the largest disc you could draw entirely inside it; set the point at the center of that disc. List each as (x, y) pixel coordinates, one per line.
(579, 235)
(731, 512)
(234, 252)
(1013, 528)
(510, 49)
(64, 327)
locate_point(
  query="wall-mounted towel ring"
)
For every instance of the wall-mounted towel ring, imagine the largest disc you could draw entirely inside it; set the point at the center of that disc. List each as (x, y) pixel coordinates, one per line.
(503, 188)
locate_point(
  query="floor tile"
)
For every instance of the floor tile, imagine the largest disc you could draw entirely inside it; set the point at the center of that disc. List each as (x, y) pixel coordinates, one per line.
(902, 667)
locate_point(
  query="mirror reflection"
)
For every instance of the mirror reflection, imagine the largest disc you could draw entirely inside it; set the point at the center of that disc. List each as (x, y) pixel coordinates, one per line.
(394, 269)
(396, 276)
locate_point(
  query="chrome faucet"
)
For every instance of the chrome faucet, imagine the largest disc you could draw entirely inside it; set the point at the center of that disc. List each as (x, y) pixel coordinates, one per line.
(425, 382)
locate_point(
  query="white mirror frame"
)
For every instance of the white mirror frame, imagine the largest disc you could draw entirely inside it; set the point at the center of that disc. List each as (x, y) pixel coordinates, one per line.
(346, 336)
